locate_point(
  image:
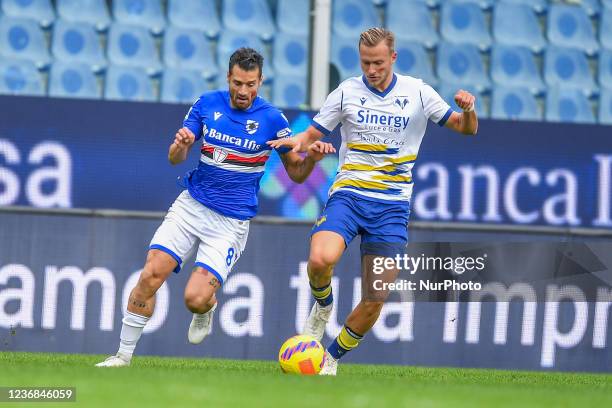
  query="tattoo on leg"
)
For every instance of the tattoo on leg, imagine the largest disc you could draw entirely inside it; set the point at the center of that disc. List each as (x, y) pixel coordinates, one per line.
(138, 303)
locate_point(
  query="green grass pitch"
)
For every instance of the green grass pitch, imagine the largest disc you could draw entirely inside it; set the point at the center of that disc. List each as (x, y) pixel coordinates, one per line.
(182, 382)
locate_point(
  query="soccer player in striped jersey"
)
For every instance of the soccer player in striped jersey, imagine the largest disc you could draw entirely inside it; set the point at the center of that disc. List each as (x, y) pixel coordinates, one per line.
(211, 217)
(383, 116)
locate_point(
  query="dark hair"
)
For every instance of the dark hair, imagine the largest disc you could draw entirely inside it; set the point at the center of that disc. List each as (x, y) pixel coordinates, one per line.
(247, 59)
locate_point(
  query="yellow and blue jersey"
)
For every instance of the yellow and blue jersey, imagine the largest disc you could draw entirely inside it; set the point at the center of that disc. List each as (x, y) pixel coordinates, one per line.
(381, 133)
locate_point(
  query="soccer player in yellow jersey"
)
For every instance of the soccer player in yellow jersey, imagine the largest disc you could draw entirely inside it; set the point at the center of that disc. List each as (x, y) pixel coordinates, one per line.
(384, 116)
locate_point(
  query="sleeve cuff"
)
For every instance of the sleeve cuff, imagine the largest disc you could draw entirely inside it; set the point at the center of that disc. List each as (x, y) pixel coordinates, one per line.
(321, 128)
(442, 121)
(197, 131)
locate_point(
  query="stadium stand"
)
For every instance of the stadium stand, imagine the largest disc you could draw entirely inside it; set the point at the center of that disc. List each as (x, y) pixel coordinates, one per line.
(570, 26)
(182, 86)
(189, 49)
(605, 69)
(20, 77)
(462, 64)
(411, 21)
(87, 11)
(249, 16)
(73, 80)
(507, 17)
(430, 3)
(351, 17)
(132, 46)
(289, 91)
(539, 6)
(24, 39)
(568, 67)
(291, 54)
(605, 107)
(40, 10)
(483, 4)
(515, 67)
(195, 15)
(514, 104)
(605, 28)
(345, 56)
(473, 44)
(293, 17)
(128, 84)
(592, 7)
(77, 42)
(145, 13)
(412, 59)
(568, 105)
(464, 22)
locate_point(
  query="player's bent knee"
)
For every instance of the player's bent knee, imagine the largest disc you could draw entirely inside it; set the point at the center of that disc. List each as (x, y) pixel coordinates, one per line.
(197, 301)
(321, 261)
(326, 248)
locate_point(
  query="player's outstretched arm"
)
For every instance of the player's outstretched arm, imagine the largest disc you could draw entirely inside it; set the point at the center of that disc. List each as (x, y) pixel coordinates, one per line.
(298, 167)
(466, 122)
(300, 142)
(183, 140)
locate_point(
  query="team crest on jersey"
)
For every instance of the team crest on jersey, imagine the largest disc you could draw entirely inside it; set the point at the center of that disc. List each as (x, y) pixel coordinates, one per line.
(363, 100)
(401, 101)
(251, 126)
(219, 155)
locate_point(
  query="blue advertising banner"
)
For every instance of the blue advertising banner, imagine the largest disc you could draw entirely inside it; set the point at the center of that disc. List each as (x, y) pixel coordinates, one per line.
(100, 154)
(65, 280)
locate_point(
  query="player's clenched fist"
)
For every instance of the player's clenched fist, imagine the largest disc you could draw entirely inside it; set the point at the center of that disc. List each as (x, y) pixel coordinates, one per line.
(318, 150)
(465, 100)
(184, 137)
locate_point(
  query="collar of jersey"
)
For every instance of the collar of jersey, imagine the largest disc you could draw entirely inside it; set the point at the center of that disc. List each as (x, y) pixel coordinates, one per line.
(376, 91)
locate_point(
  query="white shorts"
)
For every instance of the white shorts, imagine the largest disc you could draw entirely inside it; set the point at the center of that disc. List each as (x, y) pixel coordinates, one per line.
(220, 240)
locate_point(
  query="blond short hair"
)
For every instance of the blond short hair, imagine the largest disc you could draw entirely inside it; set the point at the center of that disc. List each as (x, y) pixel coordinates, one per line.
(374, 36)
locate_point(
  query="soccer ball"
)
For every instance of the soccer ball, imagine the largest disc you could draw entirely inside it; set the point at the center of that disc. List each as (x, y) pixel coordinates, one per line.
(301, 355)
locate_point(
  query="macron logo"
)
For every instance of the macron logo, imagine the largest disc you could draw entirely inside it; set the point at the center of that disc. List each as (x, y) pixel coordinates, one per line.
(217, 115)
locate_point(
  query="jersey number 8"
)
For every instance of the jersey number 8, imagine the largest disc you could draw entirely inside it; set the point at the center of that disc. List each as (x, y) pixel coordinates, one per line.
(230, 256)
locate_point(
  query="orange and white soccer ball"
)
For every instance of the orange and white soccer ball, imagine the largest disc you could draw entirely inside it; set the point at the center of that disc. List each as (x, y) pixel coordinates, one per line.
(301, 355)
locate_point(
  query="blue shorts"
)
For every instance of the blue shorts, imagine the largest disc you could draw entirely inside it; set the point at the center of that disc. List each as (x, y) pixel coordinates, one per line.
(383, 225)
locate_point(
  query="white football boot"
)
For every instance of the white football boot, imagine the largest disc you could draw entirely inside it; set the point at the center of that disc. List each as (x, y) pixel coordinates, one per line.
(200, 326)
(317, 320)
(114, 361)
(330, 366)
